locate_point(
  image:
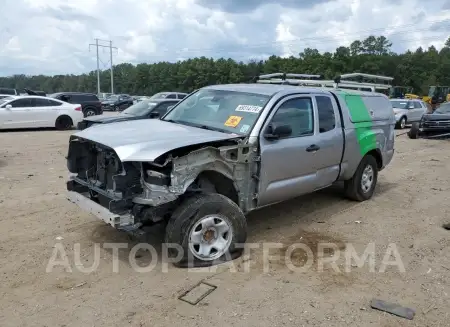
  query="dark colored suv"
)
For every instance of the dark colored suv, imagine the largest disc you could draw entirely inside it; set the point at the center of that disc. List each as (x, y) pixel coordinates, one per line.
(90, 104)
(117, 102)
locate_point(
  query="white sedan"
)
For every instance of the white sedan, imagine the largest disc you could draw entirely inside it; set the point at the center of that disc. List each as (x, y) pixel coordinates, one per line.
(38, 111)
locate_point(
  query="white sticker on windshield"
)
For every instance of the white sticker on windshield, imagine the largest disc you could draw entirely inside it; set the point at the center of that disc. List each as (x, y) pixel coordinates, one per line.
(245, 128)
(248, 108)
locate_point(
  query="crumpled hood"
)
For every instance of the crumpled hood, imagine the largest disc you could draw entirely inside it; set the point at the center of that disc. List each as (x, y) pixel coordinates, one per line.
(147, 139)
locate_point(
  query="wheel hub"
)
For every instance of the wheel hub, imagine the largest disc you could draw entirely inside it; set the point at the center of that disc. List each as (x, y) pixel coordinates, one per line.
(367, 179)
(210, 237)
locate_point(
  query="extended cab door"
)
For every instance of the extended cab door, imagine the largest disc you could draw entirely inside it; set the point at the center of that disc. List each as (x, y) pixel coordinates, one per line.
(289, 164)
(330, 141)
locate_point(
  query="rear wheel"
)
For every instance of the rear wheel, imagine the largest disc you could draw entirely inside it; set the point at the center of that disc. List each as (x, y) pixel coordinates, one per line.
(208, 228)
(63, 123)
(89, 112)
(362, 185)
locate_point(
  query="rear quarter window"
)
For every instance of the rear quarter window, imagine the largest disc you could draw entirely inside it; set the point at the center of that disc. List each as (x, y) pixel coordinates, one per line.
(365, 108)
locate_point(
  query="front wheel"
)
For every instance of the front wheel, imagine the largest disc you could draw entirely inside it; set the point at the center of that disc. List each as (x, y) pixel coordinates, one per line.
(402, 123)
(362, 185)
(208, 229)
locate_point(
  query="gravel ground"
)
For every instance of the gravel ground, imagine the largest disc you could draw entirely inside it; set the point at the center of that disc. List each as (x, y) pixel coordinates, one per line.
(409, 207)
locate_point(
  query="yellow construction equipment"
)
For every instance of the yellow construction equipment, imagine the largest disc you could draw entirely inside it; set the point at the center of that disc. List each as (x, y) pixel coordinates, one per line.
(402, 92)
(437, 95)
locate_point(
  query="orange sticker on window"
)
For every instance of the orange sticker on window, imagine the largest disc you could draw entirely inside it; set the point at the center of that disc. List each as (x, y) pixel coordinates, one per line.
(233, 121)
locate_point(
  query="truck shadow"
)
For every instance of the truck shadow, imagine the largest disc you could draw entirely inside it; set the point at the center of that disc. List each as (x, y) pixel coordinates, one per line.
(264, 224)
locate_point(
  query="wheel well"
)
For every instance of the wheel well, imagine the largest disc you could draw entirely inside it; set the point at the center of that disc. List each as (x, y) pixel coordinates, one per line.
(378, 157)
(223, 185)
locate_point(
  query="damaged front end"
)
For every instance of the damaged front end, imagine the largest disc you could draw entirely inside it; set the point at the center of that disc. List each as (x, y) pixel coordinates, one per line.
(128, 195)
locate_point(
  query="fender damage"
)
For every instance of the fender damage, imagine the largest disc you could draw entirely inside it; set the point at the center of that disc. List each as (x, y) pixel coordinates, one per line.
(128, 194)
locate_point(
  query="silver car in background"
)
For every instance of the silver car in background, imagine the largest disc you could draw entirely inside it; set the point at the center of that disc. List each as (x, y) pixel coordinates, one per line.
(408, 111)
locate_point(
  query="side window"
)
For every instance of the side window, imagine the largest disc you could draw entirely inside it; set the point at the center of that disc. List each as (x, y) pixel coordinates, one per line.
(171, 96)
(54, 103)
(298, 114)
(327, 120)
(40, 103)
(417, 105)
(181, 96)
(162, 108)
(21, 103)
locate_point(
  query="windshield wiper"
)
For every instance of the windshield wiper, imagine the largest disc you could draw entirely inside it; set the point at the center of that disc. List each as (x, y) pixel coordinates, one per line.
(216, 129)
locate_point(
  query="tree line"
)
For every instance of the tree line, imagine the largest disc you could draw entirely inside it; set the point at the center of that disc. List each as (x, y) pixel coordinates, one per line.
(418, 69)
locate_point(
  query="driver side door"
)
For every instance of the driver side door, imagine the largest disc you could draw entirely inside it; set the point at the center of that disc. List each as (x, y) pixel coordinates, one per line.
(19, 116)
(288, 164)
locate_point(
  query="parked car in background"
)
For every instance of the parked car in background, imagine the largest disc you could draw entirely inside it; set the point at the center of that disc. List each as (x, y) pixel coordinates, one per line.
(408, 111)
(38, 111)
(142, 110)
(200, 169)
(90, 103)
(169, 95)
(103, 96)
(8, 91)
(433, 124)
(117, 102)
(35, 92)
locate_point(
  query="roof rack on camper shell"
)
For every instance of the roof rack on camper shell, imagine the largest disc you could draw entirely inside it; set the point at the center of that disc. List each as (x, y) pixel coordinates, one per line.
(361, 81)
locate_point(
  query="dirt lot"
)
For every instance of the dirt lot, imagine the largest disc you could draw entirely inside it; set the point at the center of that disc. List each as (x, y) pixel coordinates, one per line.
(410, 206)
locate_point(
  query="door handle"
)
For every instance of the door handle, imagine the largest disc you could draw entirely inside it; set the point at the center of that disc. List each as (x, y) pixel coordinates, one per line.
(313, 148)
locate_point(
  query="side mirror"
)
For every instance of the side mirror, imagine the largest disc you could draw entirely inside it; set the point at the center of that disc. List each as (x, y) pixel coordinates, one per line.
(8, 107)
(275, 131)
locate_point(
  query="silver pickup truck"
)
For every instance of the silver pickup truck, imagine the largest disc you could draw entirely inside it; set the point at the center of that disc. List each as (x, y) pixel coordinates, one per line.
(224, 151)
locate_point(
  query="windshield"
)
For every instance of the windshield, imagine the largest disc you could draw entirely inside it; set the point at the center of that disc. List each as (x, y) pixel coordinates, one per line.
(112, 98)
(431, 91)
(5, 99)
(140, 108)
(399, 104)
(443, 109)
(225, 111)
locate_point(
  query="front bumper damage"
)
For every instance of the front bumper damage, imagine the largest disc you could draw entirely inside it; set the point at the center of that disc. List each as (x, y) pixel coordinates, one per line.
(132, 194)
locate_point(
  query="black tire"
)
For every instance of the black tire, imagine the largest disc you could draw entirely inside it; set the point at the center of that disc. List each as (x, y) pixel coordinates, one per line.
(89, 112)
(191, 211)
(353, 187)
(402, 123)
(413, 133)
(63, 123)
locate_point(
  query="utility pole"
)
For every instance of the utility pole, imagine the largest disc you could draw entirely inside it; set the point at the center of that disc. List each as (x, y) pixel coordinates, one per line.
(110, 59)
(110, 46)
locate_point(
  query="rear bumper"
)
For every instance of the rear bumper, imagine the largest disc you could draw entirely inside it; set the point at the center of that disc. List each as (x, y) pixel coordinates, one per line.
(102, 213)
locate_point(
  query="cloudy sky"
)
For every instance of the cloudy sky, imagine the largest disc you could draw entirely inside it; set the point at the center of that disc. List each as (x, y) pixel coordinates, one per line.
(53, 36)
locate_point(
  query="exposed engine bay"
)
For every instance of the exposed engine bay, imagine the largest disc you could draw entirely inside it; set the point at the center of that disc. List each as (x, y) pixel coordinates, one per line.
(138, 193)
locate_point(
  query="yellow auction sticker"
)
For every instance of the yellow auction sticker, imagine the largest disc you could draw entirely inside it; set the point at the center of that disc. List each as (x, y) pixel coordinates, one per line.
(233, 121)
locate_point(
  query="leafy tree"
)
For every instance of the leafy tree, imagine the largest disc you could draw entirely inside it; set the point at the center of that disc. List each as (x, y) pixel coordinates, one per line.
(419, 69)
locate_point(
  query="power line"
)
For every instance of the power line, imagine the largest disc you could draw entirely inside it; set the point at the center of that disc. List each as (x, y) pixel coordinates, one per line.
(292, 42)
(110, 47)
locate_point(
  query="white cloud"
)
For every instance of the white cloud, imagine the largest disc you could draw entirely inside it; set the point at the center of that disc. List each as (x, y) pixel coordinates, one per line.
(52, 36)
